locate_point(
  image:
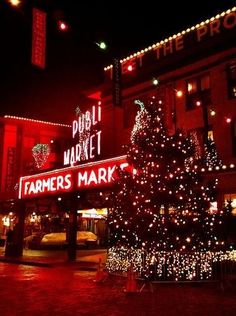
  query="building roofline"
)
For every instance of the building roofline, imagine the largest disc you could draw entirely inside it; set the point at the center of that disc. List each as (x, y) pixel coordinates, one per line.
(166, 40)
(34, 121)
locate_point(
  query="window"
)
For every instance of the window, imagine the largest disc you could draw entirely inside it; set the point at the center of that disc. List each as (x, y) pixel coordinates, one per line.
(232, 199)
(55, 146)
(197, 136)
(210, 135)
(231, 70)
(198, 92)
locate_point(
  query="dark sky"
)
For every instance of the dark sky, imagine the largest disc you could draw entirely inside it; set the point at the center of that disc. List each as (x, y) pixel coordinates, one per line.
(73, 60)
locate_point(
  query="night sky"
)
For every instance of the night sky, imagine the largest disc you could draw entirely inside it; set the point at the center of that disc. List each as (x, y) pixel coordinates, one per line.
(73, 60)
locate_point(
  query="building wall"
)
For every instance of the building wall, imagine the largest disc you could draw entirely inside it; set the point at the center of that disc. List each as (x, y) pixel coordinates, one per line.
(187, 119)
(211, 54)
(19, 136)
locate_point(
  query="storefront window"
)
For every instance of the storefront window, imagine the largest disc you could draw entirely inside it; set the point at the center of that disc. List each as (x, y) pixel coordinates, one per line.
(210, 135)
(232, 199)
(198, 91)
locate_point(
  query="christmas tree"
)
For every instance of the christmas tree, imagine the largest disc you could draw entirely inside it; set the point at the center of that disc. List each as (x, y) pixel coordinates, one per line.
(161, 219)
(211, 158)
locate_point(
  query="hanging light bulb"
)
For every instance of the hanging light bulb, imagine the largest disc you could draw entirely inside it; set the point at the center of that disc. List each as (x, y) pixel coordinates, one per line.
(198, 103)
(62, 25)
(212, 112)
(155, 81)
(102, 45)
(179, 93)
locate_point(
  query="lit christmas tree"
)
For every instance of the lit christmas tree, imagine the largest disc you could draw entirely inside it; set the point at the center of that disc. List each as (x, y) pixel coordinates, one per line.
(161, 219)
(211, 157)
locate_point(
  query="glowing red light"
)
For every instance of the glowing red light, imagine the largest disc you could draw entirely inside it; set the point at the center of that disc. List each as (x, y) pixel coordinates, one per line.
(62, 26)
(228, 120)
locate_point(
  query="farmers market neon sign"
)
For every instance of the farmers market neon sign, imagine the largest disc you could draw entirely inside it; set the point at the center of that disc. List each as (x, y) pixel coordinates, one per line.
(89, 175)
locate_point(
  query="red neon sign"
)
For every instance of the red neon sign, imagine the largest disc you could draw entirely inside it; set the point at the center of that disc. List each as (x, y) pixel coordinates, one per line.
(89, 175)
(38, 38)
(88, 140)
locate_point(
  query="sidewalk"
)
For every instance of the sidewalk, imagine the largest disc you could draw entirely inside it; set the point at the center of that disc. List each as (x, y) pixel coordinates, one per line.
(66, 291)
(86, 259)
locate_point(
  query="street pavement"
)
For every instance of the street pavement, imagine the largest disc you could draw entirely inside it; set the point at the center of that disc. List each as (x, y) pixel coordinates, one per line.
(64, 288)
(84, 257)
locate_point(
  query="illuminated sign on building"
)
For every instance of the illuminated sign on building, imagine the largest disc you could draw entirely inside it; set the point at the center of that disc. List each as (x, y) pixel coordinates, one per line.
(86, 131)
(39, 38)
(212, 31)
(89, 175)
(93, 213)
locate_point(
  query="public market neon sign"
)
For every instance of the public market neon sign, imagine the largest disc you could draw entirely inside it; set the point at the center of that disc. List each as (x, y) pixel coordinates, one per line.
(89, 175)
(86, 130)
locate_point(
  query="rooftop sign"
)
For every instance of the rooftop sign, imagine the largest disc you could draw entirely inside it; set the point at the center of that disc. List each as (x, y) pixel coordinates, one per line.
(211, 29)
(86, 134)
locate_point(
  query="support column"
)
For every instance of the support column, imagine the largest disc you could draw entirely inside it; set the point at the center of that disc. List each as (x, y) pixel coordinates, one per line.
(15, 242)
(117, 102)
(205, 121)
(72, 229)
(21, 209)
